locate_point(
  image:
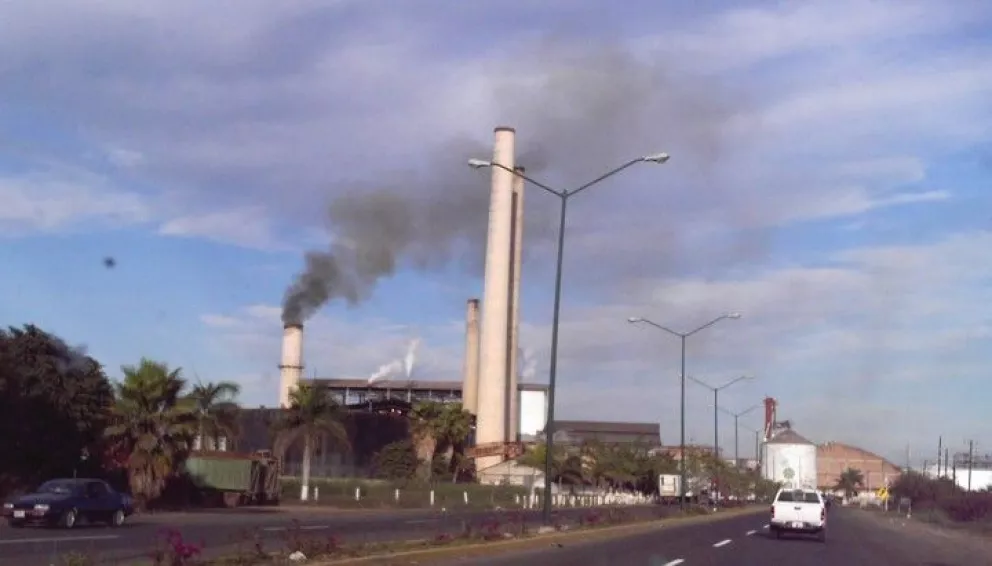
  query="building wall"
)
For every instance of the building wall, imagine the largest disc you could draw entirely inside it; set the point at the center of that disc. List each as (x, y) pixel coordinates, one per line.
(981, 478)
(833, 458)
(533, 413)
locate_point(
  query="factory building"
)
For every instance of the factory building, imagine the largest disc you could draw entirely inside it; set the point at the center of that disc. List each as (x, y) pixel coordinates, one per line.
(531, 399)
(579, 432)
(833, 458)
(969, 471)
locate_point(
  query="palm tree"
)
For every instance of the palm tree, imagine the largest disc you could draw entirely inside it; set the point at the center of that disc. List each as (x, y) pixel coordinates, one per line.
(455, 428)
(216, 412)
(565, 467)
(312, 414)
(153, 423)
(428, 429)
(849, 481)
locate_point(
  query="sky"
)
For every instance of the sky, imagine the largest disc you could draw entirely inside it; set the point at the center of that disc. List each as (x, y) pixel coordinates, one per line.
(830, 180)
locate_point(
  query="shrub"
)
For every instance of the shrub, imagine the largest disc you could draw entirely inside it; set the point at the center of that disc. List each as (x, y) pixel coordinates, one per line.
(968, 507)
(396, 461)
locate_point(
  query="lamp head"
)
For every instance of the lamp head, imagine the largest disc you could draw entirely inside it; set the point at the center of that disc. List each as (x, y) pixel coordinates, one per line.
(733, 315)
(658, 158)
(479, 163)
(634, 319)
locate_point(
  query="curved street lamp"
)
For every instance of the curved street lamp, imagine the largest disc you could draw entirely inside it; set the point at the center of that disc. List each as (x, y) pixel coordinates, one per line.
(737, 416)
(716, 407)
(563, 196)
(683, 336)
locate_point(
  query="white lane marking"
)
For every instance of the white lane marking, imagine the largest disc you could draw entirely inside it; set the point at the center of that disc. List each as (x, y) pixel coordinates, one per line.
(421, 521)
(302, 528)
(59, 539)
(675, 562)
(724, 542)
(749, 533)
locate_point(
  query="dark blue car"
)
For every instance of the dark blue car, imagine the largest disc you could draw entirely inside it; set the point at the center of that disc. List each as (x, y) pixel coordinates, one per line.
(66, 502)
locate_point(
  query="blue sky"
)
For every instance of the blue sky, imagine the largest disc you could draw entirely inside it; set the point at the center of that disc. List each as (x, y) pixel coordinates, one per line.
(830, 179)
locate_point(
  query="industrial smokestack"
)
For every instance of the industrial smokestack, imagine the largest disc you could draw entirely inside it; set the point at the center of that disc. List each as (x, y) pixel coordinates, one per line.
(516, 260)
(491, 417)
(291, 368)
(470, 377)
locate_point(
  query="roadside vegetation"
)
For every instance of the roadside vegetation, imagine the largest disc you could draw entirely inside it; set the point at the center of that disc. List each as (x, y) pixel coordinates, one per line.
(60, 416)
(944, 502)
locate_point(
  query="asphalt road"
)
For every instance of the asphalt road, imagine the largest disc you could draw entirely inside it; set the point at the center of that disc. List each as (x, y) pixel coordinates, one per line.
(855, 538)
(223, 531)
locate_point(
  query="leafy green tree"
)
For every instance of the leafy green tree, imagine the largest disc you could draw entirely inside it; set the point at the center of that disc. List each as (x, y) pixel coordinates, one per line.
(216, 412)
(312, 415)
(154, 424)
(396, 461)
(54, 404)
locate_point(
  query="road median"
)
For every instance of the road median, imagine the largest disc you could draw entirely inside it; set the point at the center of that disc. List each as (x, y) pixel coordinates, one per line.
(410, 553)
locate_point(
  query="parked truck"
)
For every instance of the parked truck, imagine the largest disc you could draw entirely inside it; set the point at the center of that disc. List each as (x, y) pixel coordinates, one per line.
(669, 488)
(232, 479)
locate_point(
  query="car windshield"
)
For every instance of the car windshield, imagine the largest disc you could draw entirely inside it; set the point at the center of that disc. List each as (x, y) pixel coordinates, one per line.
(59, 487)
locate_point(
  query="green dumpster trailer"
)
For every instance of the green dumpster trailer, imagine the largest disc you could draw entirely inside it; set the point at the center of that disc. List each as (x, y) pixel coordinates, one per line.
(235, 479)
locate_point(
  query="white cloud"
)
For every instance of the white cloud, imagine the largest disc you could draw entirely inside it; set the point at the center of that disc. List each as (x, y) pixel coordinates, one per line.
(854, 349)
(227, 126)
(46, 203)
(777, 114)
(248, 227)
(888, 325)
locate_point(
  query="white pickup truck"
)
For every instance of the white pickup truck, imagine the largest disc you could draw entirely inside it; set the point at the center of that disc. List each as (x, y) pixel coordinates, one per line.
(800, 511)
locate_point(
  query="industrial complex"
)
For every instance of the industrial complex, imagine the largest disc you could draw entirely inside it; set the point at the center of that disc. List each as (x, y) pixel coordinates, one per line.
(508, 412)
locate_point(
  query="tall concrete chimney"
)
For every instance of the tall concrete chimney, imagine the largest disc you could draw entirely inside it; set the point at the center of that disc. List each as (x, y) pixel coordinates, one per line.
(491, 416)
(470, 377)
(516, 260)
(291, 368)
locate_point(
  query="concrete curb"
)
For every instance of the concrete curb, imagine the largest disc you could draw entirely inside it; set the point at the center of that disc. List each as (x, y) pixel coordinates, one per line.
(587, 534)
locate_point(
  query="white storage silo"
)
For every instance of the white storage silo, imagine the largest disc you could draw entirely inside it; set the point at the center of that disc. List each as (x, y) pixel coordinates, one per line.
(789, 459)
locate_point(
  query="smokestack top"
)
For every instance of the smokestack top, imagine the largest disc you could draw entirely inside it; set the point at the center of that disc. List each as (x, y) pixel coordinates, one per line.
(296, 325)
(473, 301)
(519, 168)
(504, 129)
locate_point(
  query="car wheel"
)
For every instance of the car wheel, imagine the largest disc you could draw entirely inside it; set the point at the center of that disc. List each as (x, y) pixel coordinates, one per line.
(117, 519)
(68, 519)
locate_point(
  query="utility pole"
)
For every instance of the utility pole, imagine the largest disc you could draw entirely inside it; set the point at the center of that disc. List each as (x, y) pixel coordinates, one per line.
(940, 444)
(908, 467)
(947, 457)
(971, 458)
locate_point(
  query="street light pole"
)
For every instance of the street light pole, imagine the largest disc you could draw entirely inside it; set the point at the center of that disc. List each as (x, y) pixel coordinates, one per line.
(683, 336)
(737, 416)
(563, 196)
(716, 422)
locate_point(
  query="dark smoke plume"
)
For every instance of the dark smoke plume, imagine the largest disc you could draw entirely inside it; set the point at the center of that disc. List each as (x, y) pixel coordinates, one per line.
(583, 109)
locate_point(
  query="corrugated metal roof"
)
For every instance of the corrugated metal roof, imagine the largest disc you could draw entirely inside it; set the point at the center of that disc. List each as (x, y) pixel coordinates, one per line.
(789, 436)
(399, 384)
(607, 427)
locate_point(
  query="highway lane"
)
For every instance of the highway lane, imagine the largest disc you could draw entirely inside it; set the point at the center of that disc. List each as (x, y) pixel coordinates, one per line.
(221, 531)
(854, 539)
